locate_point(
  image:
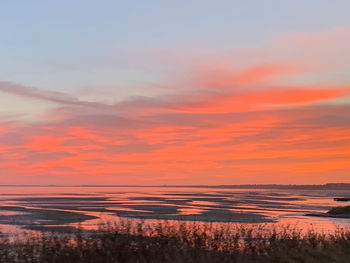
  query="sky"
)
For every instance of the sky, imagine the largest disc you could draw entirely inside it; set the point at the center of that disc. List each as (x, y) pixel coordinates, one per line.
(174, 92)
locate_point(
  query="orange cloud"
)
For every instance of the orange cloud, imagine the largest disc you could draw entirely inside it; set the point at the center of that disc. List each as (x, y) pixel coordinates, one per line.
(219, 76)
(263, 99)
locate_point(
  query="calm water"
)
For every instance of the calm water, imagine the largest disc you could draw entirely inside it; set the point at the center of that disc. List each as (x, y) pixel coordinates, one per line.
(37, 207)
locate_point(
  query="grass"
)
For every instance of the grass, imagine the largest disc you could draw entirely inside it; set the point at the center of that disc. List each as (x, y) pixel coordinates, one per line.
(137, 241)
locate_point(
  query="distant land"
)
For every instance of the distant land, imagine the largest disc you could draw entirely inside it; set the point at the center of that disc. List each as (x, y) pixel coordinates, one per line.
(329, 186)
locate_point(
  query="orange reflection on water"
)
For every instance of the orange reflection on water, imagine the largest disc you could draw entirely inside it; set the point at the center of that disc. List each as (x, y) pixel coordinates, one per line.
(203, 203)
(190, 211)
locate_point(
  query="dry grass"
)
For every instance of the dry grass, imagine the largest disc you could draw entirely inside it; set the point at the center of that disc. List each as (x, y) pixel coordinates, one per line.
(138, 241)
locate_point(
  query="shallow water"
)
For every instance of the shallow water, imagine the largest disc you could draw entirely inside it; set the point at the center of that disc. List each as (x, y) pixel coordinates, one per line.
(37, 207)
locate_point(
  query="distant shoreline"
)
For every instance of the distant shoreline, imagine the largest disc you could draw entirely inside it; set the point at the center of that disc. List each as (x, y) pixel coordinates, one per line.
(329, 186)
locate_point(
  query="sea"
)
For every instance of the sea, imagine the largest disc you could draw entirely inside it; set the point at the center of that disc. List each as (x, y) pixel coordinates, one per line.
(51, 207)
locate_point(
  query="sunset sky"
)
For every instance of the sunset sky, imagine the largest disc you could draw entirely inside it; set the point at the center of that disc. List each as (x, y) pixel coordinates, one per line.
(174, 92)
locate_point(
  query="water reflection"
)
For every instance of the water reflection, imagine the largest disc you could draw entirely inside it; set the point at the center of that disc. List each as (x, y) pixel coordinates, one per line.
(31, 208)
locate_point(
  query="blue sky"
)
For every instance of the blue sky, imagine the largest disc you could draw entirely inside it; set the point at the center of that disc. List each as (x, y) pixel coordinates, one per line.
(54, 44)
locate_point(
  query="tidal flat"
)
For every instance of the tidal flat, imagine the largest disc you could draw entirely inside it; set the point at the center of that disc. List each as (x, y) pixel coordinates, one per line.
(86, 207)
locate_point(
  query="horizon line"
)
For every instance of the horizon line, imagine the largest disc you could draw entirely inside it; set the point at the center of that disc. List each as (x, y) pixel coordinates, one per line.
(168, 185)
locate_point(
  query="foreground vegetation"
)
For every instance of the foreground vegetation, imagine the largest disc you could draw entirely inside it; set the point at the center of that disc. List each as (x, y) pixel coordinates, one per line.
(131, 241)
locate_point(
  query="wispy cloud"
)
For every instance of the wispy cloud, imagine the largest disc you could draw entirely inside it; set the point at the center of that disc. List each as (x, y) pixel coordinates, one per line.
(51, 96)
